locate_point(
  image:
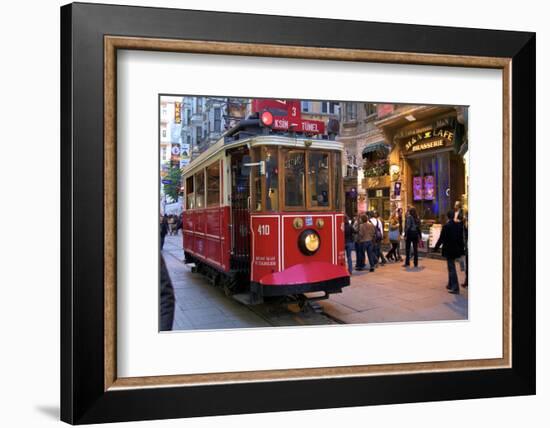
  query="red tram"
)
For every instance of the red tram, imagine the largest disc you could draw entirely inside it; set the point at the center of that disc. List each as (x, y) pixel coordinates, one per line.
(263, 208)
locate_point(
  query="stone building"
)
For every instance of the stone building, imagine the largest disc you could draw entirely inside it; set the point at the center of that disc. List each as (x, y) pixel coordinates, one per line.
(362, 139)
(205, 119)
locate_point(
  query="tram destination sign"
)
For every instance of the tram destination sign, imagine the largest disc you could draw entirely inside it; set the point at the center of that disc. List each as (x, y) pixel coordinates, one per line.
(287, 116)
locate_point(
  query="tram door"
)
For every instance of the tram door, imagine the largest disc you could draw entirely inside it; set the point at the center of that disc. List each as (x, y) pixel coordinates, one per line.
(240, 213)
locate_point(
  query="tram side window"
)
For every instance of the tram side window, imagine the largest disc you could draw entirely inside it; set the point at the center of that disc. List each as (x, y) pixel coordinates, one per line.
(271, 179)
(213, 184)
(294, 178)
(189, 191)
(319, 179)
(199, 189)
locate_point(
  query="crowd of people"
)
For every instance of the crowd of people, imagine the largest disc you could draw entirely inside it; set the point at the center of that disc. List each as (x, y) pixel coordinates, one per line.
(170, 224)
(364, 234)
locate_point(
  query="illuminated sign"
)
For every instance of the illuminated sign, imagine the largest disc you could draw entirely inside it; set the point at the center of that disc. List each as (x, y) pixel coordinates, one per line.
(430, 139)
(177, 113)
(429, 187)
(418, 191)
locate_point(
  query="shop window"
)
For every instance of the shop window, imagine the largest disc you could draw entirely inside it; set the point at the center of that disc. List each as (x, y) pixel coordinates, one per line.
(294, 179)
(213, 184)
(319, 179)
(199, 189)
(189, 191)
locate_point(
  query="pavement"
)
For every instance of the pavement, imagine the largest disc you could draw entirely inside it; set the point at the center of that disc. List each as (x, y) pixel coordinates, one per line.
(394, 293)
(390, 294)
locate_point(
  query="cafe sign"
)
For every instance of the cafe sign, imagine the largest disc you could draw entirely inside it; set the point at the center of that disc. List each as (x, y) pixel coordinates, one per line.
(429, 139)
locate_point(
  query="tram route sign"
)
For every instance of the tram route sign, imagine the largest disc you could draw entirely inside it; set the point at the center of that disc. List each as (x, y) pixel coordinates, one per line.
(287, 116)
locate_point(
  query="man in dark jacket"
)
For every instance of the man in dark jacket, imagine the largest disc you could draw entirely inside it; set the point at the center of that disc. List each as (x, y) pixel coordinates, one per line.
(167, 300)
(452, 240)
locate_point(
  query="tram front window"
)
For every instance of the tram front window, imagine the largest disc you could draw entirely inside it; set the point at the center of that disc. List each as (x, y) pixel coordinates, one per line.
(294, 179)
(319, 179)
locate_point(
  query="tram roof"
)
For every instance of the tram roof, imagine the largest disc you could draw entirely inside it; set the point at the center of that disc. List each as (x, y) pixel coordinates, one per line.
(261, 140)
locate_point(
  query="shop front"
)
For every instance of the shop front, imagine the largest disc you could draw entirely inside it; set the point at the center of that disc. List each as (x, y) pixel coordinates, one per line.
(435, 174)
(427, 164)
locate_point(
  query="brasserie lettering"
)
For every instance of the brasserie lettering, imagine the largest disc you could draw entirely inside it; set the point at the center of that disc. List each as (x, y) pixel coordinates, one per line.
(444, 134)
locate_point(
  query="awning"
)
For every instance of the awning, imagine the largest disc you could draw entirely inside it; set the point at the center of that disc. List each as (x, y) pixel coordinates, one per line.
(379, 146)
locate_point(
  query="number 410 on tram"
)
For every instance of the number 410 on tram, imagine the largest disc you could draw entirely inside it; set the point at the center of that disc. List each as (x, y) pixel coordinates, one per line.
(263, 213)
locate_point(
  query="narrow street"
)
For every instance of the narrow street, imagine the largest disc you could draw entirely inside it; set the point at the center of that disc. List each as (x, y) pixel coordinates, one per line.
(202, 306)
(390, 294)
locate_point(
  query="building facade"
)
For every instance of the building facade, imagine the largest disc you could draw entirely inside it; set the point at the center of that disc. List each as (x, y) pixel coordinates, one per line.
(205, 119)
(366, 156)
(427, 163)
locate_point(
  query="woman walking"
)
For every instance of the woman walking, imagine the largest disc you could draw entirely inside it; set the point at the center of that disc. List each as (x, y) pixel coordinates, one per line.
(393, 236)
(412, 235)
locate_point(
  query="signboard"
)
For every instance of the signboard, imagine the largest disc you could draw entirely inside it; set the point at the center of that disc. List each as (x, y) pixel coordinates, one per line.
(185, 151)
(429, 187)
(383, 110)
(287, 116)
(396, 195)
(175, 151)
(166, 181)
(177, 112)
(429, 139)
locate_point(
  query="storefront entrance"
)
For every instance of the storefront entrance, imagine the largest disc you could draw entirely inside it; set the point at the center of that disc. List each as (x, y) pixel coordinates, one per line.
(379, 200)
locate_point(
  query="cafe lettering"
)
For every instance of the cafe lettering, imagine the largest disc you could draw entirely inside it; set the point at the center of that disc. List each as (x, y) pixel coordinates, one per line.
(430, 139)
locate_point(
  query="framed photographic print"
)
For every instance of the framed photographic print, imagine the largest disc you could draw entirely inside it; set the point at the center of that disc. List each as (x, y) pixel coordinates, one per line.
(266, 213)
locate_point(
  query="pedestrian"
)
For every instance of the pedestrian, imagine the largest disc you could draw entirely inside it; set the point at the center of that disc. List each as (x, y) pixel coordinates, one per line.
(167, 300)
(400, 219)
(359, 250)
(163, 230)
(171, 224)
(452, 240)
(412, 235)
(379, 236)
(349, 242)
(367, 234)
(393, 236)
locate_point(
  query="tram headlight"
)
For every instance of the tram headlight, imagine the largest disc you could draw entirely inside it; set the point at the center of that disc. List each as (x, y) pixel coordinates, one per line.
(309, 242)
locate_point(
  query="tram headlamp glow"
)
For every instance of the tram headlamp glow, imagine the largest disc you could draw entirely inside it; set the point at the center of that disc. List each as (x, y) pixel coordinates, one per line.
(309, 242)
